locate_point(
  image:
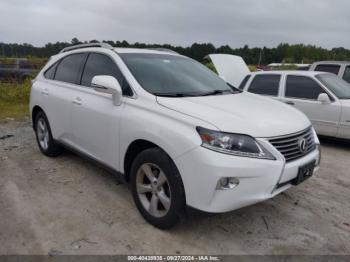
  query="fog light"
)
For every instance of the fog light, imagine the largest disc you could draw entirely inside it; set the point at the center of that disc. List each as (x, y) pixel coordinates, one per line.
(227, 183)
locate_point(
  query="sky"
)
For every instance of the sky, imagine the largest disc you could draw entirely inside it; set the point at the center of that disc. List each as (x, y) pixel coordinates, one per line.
(256, 23)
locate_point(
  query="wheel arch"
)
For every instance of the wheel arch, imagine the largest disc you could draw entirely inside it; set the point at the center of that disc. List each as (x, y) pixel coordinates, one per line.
(135, 148)
(36, 109)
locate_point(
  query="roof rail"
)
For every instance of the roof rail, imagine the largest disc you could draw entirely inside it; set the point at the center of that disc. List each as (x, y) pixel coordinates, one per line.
(74, 47)
(163, 49)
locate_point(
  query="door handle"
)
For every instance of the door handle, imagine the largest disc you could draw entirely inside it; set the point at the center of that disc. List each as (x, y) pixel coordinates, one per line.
(45, 91)
(290, 103)
(77, 101)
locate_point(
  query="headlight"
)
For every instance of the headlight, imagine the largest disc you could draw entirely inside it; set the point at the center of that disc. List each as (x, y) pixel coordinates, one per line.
(233, 144)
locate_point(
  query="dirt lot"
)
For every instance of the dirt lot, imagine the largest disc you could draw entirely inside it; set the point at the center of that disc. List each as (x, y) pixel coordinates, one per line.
(68, 205)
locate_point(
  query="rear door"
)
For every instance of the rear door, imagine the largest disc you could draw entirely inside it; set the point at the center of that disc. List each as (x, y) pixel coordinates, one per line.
(95, 120)
(302, 92)
(266, 85)
(57, 89)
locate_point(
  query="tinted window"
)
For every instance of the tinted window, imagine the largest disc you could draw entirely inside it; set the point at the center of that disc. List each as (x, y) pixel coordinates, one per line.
(302, 87)
(328, 68)
(265, 85)
(244, 82)
(50, 73)
(346, 76)
(98, 64)
(69, 68)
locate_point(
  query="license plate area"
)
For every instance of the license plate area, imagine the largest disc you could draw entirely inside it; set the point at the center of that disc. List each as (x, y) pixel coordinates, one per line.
(304, 173)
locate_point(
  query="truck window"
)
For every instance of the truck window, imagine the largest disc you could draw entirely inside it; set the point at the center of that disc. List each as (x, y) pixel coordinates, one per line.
(334, 69)
(265, 85)
(302, 87)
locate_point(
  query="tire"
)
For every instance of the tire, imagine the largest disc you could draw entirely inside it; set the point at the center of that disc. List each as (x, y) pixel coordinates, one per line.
(168, 190)
(47, 145)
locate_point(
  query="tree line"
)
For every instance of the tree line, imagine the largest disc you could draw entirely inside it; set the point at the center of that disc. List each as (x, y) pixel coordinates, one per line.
(284, 52)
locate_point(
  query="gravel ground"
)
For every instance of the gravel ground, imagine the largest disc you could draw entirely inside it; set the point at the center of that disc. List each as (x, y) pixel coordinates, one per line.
(68, 205)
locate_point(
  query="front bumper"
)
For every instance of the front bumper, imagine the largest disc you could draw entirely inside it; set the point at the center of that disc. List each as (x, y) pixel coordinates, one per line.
(259, 179)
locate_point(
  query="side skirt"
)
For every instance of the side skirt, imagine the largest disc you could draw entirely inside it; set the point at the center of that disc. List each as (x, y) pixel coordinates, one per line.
(119, 176)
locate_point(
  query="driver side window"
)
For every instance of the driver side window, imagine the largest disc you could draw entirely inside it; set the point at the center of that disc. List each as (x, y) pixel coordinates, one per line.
(99, 64)
(302, 87)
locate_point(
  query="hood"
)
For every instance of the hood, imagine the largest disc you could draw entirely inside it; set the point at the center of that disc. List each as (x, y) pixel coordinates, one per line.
(230, 67)
(242, 113)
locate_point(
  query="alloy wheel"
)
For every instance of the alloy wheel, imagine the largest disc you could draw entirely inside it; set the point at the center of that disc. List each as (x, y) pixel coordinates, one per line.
(153, 190)
(43, 134)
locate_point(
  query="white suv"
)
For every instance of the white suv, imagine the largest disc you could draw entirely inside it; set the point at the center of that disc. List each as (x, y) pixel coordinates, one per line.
(179, 134)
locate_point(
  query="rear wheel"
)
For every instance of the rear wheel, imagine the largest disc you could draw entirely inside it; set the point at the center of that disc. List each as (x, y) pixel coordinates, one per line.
(46, 143)
(157, 188)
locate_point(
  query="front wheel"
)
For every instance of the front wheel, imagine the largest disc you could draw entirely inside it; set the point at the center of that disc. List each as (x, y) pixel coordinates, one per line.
(157, 188)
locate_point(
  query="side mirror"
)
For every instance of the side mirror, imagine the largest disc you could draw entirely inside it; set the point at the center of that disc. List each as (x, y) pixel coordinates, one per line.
(324, 98)
(108, 85)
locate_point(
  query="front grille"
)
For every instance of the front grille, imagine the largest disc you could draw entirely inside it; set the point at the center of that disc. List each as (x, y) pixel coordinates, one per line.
(295, 146)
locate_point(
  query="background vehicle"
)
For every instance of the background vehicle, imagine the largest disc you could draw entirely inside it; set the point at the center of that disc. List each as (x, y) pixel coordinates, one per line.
(339, 68)
(323, 97)
(301, 67)
(225, 67)
(178, 133)
(17, 69)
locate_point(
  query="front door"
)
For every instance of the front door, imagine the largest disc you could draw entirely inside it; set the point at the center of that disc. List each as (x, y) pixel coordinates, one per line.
(302, 92)
(95, 125)
(95, 119)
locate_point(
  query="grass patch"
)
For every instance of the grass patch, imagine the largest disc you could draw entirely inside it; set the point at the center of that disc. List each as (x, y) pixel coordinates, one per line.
(14, 100)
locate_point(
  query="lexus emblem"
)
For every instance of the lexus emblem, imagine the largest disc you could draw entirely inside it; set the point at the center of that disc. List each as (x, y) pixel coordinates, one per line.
(302, 145)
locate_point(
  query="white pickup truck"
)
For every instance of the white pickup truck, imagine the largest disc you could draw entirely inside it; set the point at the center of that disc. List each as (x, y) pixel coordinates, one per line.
(339, 68)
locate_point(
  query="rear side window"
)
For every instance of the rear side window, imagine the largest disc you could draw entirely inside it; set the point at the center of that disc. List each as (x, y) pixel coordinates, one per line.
(50, 73)
(68, 70)
(265, 85)
(99, 64)
(346, 76)
(302, 87)
(334, 69)
(244, 82)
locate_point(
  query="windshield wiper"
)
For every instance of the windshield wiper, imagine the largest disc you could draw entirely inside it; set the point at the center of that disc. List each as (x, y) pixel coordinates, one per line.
(172, 94)
(216, 92)
(211, 93)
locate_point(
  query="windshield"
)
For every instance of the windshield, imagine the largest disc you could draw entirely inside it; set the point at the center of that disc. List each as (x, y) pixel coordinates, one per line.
(337, 85)
(169, 75)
